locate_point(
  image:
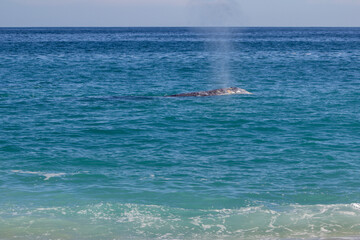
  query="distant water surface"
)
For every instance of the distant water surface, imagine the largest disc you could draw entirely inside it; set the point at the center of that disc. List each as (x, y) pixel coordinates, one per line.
(90, 148)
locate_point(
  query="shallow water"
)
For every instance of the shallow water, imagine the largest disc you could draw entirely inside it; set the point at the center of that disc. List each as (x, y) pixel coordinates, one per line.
(90, 148)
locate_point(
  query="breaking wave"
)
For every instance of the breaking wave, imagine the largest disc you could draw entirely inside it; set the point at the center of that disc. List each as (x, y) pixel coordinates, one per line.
(136, 221)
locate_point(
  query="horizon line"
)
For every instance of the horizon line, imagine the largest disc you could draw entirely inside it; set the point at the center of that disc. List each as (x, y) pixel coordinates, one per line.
(179, 27)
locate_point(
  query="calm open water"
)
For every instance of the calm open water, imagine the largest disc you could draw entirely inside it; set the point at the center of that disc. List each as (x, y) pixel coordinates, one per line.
(90, 148)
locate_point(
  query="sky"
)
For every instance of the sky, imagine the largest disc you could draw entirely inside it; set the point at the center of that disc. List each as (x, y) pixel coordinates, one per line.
(122, 13)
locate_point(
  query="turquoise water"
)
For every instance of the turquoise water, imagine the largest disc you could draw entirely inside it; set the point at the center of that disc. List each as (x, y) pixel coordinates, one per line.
(90, 148)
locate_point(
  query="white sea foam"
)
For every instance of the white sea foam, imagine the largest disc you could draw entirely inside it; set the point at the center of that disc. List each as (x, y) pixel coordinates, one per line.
(44, 174)
(258, 222)
(355, 206)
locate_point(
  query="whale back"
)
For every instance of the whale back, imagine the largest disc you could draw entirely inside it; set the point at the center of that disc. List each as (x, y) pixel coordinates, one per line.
(215, 92)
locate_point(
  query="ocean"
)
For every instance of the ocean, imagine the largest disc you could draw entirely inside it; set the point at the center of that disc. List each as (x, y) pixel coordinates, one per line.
(91, 149)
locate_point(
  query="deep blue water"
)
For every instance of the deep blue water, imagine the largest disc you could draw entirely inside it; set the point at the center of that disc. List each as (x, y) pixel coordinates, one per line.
(91, 149)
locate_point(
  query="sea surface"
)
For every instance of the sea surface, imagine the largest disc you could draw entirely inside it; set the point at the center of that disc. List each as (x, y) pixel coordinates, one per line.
(90, 149)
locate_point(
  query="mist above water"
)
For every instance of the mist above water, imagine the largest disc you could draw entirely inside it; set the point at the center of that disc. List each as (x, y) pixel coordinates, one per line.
(214, 13)
(218, 15)
(220, 47)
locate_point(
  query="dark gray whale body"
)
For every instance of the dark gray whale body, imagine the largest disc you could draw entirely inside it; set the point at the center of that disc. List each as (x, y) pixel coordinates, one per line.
(216, 92)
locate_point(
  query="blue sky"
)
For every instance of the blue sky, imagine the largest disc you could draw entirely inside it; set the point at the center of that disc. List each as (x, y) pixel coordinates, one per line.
(40, 13)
